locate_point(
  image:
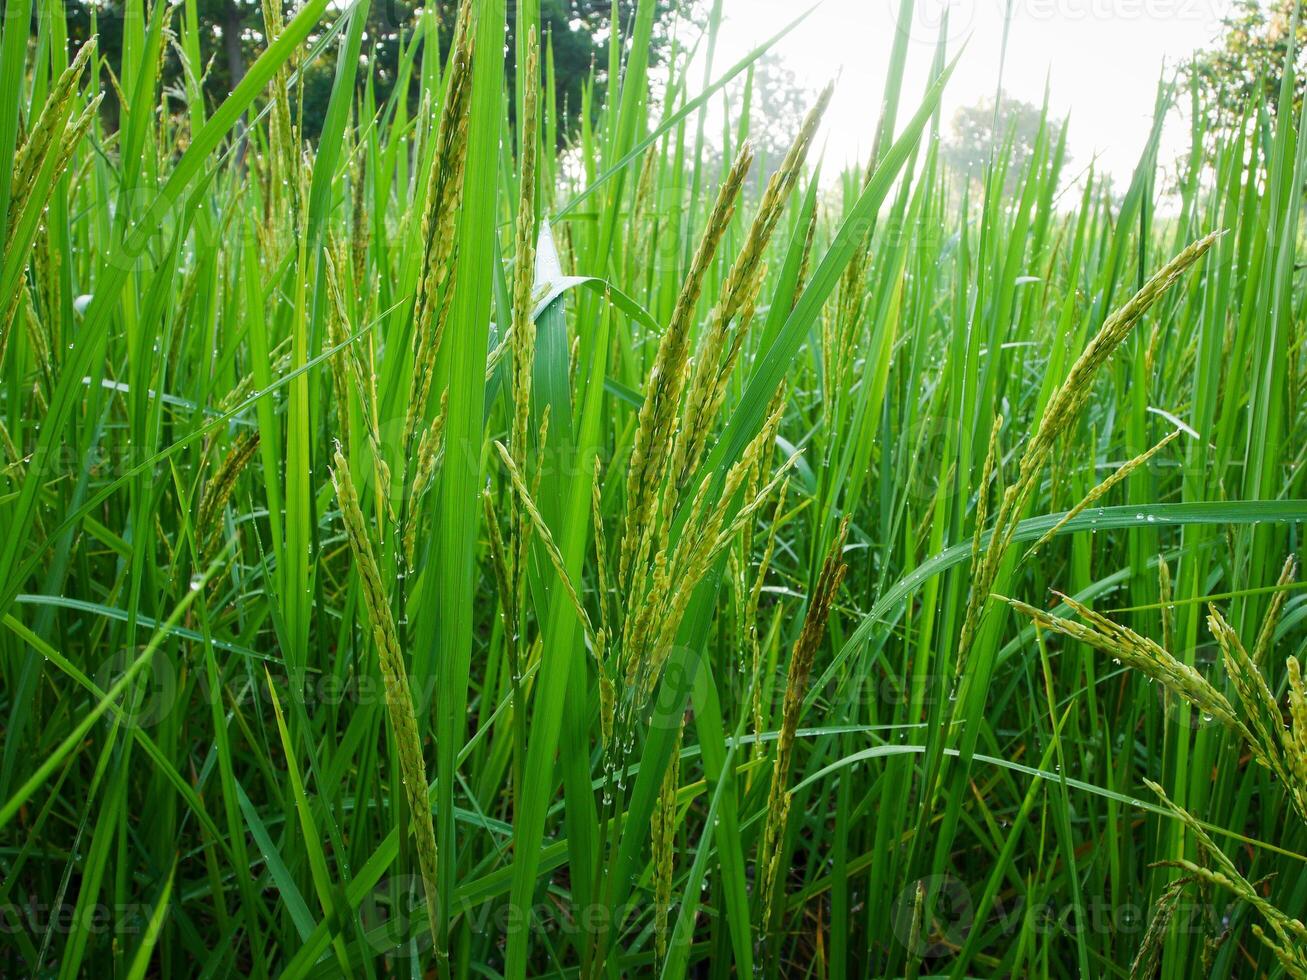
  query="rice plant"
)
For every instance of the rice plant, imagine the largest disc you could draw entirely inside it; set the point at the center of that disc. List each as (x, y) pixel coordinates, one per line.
(443, 542)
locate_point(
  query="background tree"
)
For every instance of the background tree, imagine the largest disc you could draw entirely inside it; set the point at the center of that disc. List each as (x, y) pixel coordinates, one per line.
(780, 101)
(977, 134)
(232, 33)
(1248, 62)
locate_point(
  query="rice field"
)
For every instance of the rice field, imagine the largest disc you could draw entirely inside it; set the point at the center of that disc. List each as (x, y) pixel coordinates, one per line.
(455, 546)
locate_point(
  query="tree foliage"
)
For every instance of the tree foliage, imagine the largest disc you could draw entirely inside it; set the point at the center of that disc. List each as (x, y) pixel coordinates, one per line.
(1247, 66)
(978, 133)
(578, 31)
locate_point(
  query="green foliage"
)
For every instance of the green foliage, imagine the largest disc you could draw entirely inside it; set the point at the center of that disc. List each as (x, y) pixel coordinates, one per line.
(425, 551)
(1247, 65)
(232, 32)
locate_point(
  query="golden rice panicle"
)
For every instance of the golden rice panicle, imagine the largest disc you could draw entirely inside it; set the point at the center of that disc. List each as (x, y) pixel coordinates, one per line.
(1259, 704)
(281, 132)
(524, 328)
(992, 454)
(1144, 655)
(1164, 597)
(547, 542)
(663, 845)
(1099, 491)
(738, 299)
(350, 372)
(499, 563)
(1073, 393)
(451, 129)
(338, 324)
(1288, 573)
(702, 539)
(216, 493)
(917, 921)
(1149, 956)
(805, 263)
(1290, 936)
(77, 128)
(796, 687)
(650, 627)
(339, 378)
(677, 576)
(399, 695)
(643, 218)
(773, 203)
(691, 434)
(653, 436)
(360, 228)
(601, 548)
(607, 695)
(444, 192)
(1295, 734)
(753, 505)
(52, 134)
(1061, 412)
(1290, 956)
(46, 134)
(39, 341)
(430, 448)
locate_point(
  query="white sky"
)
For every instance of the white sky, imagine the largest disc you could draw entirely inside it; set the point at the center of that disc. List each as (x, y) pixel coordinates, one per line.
(1101, 60)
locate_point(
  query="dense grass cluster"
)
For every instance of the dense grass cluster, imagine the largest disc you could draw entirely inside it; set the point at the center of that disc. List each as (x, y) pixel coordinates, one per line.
(423, 552)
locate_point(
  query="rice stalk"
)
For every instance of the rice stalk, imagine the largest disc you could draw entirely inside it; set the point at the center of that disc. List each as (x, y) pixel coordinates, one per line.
(214, 496)
(1288, 938)
(1099, 491)
(666, 381)
(444, 190)
(711, 371)
(810, 639)
(399, 695)
(547, 543)
(1149, 955)
(663, 843)
(1128, 647)
(1063, 408)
